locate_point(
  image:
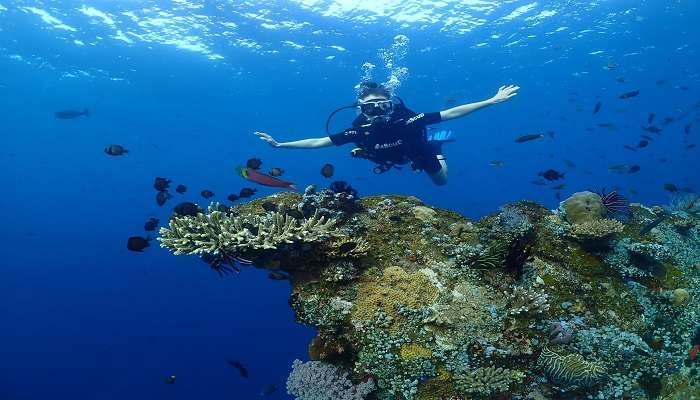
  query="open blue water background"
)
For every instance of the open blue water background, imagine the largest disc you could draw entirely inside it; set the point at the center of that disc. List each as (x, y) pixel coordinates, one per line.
(183, 85)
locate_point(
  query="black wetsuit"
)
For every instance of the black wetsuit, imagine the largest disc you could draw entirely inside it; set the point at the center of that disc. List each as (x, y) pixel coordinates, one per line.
(400, 140)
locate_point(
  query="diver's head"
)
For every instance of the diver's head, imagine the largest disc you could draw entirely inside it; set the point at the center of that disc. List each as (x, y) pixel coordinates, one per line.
(374, 100)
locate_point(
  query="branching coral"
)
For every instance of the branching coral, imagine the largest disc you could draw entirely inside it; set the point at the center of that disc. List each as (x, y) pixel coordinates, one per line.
(527, 302)
(487, 381)
(220, 232)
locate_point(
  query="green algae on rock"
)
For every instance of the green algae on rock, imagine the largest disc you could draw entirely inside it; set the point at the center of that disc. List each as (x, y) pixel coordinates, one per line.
(429, 305)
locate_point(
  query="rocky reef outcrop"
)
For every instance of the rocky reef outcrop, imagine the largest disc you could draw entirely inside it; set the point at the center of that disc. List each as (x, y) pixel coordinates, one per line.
(414, 302)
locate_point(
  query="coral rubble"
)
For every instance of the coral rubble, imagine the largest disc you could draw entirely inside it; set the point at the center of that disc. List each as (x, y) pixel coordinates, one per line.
(414, 302)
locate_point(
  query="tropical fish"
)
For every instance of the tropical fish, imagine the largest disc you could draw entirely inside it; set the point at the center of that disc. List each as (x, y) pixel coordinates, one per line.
(653, 224)
(207, 194)
(606, 125)
(269, 206)
(667, 121)
(151, 224)
(233, 197)
(246, 192)
(70, 114)
(186, 208)
(629, 95)
(162, 197)
(693, 352)
(670, 187)
(276, 172)
(239, 366)
(650, 119)
(161, 184)
(265, 180)
(170, 380)
(646, 137)
(115, 150)
(538, 182)
(138, 243)
(569, 163)
(254, 163)
(651, 129)
(327, 170)
(633, 169)
(497, 163)
(551, 175)
(527, 138)
(687, 128)
(181, 188)
(268, 390)
(597, 107)
(628, 147)
(642, 144)
(277, 276)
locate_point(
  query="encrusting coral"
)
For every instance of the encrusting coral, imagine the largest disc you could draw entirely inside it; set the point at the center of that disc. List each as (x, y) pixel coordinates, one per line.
(427, 305)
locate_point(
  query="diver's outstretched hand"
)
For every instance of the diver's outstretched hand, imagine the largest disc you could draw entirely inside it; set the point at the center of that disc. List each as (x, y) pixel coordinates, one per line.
(505, 93)
(267, 138)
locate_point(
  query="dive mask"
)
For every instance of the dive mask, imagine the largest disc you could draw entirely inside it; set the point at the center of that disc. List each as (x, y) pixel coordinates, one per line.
(376, 108)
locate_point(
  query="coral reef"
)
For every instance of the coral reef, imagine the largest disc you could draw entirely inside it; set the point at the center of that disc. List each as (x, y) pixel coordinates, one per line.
(414, 302)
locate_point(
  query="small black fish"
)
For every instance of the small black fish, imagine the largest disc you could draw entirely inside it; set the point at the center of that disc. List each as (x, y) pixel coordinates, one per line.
(138, 243)
(605, 125)
(207, 194)
(170, 380)
(181, 188)
(651, 129)
(628, 147)
(240, 367)
(115, 150)
(269, 206)
(559, 187)
(254, 163)
(551, 175)
(347, 247)
(186, 208)
(653, 224)
(162, 197)
(276, 172)
(247, 192)
(569, 163)
(551, 134)
(527, 138)
(151, 224)
(296, 214)
(597, 107)
(161, 184)
(629, 95)
(651, 117)
(670, 187)
(687, 128)
(642, 144)
(558, 195)
(327, 170)
(538, 182)
(646, 137)
(70, 114)
(268, 390)
(277, 276)
(667, 121)
(232, 197)
(690, 146)
(633, 169)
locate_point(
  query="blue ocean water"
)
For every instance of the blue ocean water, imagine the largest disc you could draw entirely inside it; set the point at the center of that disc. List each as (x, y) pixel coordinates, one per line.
(184, 84)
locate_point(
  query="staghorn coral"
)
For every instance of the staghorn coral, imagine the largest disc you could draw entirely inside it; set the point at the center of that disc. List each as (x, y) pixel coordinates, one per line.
(317, 380)
(571, 369)
(221, 232)
(487, 380)
(527, 302)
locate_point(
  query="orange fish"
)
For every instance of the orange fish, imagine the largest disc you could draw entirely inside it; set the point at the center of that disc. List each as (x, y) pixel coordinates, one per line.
(263, 179)
(693, 352)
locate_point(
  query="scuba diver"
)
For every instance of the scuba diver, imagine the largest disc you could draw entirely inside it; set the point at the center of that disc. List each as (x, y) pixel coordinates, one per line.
(387, 133)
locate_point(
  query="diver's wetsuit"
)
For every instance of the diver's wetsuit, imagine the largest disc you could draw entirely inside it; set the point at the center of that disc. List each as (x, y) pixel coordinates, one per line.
(399, 140)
